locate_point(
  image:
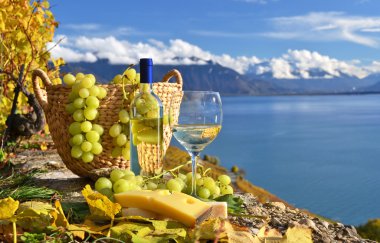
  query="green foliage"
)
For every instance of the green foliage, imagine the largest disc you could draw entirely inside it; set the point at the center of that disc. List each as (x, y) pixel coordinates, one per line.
(234, 204)
(370, 230)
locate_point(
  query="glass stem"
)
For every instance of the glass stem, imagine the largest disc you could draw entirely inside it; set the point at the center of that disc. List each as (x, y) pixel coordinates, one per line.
(194, 156)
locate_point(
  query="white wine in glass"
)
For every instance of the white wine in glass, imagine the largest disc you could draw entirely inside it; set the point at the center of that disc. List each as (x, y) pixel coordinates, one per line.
(199, 122)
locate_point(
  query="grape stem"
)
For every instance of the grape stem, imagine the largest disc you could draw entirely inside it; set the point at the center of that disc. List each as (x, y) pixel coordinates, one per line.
(168, 171)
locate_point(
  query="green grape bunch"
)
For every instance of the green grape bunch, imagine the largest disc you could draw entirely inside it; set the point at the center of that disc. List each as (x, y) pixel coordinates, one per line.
(84, 100)
(125, 180)
(119, 131)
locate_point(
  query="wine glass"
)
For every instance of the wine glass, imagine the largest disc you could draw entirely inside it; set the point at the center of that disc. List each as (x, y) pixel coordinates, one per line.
(198, 123)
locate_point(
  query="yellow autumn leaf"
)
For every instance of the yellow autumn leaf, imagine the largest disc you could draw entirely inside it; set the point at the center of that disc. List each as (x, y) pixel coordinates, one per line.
(8, 207)
(59, 215)
(43, 146)
(298, 234)
(100, 205)
(34, 215)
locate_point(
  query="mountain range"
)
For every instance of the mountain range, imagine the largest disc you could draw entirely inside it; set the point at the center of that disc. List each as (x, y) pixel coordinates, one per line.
(213, 76)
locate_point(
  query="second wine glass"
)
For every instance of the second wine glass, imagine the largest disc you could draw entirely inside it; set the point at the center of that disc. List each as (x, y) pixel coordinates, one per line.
(199, 122)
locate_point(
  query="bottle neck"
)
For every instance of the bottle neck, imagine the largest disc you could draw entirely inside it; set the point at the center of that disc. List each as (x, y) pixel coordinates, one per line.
(145, 87)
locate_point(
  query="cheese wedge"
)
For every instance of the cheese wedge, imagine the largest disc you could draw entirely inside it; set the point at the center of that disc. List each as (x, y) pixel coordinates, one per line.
(218, 210)
(175, 205)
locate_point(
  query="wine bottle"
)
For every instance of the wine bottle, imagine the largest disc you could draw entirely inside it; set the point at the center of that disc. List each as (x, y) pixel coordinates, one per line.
(146, 125)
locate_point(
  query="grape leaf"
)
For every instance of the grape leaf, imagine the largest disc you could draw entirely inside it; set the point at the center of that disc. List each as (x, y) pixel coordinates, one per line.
(234, 204)
(8, 207)
(100, 206)
(35, 216)
(139, 229)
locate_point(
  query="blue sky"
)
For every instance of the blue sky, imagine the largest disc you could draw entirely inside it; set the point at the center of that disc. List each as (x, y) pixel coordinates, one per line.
(346, 30)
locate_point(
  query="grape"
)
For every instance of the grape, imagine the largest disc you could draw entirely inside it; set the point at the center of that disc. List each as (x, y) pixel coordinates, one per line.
(103, 183)
(91, 77)
(216, 192)
(200, 182)
(87, 157)
(86, 126)
(98, 128)
(130, 73)
(137, 78)
(92, 101)
(90, 113)
(129, 177)
(121, 139)
(86, 146)
(173, 185)
(115, 130)
(124, 116)
(224, 179)
(209, 183)
(139, 180)
(189, 175)
(227, 190)
(161, 186)
(97, 148)
(75, 128)
(94, 90)
(116, 175)
(117, 79)
(129, 172)
(70, 108)
(107, 192)
(75, 89)
(182, 176)
(203, 192)
(78, 115)
(102, 93)
(79, 76)
(86, 82)
(71, 142)
(78, 139)
(72, 96)
(141, 106)
(76, 152)
(69, 79)
(122, 185)
(92, 136)
(84, 93)
(116, 152)
(126, 153)
(78, 103)
(151, 186)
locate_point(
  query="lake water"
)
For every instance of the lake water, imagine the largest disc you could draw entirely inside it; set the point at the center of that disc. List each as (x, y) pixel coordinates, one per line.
(321, 153)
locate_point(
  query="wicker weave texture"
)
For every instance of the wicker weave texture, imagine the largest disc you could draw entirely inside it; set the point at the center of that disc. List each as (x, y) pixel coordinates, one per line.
(54, 102)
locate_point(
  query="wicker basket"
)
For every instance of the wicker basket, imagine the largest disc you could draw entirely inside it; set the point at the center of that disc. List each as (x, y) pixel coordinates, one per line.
(53, 101)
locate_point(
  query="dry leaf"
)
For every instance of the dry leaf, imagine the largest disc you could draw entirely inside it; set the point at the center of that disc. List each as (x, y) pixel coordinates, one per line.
(59, 215)
(35, 216)
(100, 206)
(8, 207)
(298, 234)
(43, 146)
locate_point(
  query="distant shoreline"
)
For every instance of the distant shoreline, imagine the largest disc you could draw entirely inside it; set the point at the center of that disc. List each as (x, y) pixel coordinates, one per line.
(306, 94)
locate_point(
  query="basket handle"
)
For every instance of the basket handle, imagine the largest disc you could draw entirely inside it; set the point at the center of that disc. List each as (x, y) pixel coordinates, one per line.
(41, 97)
(173, 73)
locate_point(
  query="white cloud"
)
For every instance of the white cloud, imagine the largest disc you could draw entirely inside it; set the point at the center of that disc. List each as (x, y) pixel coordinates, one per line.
(291, 65)
(125, 52)
(88, 26)
(327, 26)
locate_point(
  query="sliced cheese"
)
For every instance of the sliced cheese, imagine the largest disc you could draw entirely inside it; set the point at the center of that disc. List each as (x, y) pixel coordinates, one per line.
(175, 205)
